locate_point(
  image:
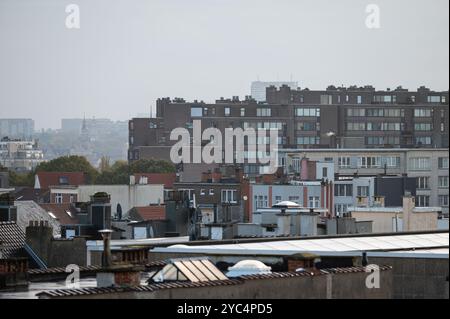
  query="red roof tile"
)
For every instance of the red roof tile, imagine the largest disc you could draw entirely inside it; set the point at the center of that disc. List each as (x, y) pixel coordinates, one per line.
(47, 179)
(151, 212)
(167, 179)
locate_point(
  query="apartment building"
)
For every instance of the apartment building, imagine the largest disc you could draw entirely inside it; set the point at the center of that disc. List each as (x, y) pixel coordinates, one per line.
(17, 128)
(354, 117)
(429, 167)
(19, 155)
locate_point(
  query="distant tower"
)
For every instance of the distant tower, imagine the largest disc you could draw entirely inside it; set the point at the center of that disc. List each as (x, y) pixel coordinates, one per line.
(84, 129)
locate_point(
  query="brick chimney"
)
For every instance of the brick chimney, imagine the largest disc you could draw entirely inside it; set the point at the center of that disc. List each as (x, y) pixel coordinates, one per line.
(216, 176)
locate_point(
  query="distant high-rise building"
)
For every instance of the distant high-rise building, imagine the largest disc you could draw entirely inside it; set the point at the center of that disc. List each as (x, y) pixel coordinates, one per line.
(17, 128)
(258, 89)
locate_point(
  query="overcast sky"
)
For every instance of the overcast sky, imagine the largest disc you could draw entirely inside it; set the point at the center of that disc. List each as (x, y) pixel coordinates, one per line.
(127, 53)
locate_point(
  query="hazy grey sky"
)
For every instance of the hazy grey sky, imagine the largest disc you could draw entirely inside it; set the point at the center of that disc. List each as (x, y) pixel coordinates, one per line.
(128, 53)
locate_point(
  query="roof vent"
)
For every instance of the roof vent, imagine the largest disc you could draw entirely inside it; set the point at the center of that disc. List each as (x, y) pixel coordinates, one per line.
(248, 267)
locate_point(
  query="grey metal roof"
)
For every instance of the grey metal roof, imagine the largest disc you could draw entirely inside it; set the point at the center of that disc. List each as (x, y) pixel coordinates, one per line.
(12, 240)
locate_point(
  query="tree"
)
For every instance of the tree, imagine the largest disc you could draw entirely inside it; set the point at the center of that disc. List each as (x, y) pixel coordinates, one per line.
(104, 164)
(69, 164)
(120, 171)
(21, 179)
(152, 166)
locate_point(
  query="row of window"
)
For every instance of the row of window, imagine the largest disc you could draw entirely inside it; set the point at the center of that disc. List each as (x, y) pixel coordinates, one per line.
(424, 200)
(361, 112)
(228, 196)
(423, 182)
(374, 126)
(424, 163)
(383, 140)
(369, 161)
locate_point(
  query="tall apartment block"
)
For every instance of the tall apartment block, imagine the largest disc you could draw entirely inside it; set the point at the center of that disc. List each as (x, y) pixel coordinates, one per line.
(338, 117)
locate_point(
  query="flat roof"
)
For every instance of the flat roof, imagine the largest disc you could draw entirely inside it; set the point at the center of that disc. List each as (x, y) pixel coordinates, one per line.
(321, 246)
(392, 209)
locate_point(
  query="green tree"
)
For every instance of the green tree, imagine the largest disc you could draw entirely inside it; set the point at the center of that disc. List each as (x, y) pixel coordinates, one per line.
(21, 179)
(152, 166)
(117, 174)
(69, 164)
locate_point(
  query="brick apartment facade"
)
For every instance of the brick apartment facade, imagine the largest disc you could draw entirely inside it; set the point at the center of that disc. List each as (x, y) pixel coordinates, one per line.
(354, 117)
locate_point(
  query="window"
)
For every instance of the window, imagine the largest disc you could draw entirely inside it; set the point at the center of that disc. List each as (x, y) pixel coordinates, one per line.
(306, 126)
(308, 140)
(383, 140)
(359, 99)
(343, 190)
(356, 112)
(369, 162)
(434, 99)
(277, 199)
(392, 161)
(324, 172)
(423, 182)
(363, 191)
(378, 126)
(261, 201)
(347, 98)
(344, 162)
(420, 163)
(326, 99)
(63, 180)
(58, 198)
(242, 111)
(383, 99)
(196, 112)
(394, 112)
(264, 112)
(422, 113)
(71, 198)
(356, 126)
(423, 201)
(443, 200)
(211, 192)
(443, 181)
(442, 127)
(375, 112)
(443, 162)
(213, 111)
(423, 127)
(341, 209)
(423, 140)
(229, 196)
(295, 199)
(307, 112)
(227, 111)
(314, 202)
(202, 192)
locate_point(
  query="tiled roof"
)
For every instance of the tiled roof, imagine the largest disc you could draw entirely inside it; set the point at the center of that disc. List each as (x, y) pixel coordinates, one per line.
(156, 212)
(30, 211)
(61, 212)
(167, 179)
(30, 193)
(150, 288)
(186, 284)
(47, 179)
(12, 240)
(61, 270)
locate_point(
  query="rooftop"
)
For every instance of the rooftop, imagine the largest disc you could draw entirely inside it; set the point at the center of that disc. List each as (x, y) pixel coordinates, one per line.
(336, 246)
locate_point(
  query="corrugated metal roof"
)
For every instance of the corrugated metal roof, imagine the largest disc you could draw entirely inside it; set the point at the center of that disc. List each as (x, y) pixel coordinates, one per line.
(321, 246)
(12, 240)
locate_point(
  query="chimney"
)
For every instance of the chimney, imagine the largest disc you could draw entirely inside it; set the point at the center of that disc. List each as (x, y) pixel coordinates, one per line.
(378, 201)
(362, 201)
(283, 223)
(304, 169)
(408, 208)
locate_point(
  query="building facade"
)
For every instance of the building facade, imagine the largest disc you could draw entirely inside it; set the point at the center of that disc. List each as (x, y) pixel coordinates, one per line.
(258, 88)
(17, 128)
(19, 155)
(429, 167)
